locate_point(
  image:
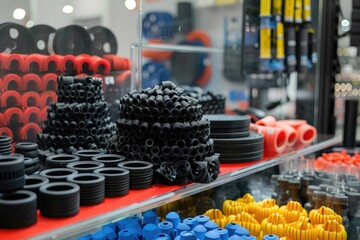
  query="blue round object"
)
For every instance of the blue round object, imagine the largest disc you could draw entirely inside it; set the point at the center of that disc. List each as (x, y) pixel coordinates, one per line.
(200, 231)
(240, 231)
(158, 25)
(126, 234)
(150, 231)
(182, 227)
(187, 235)
(235, 237)
(162, 236)
(150, 217)
(110, 233)
(210, 225)
(174, 218)
(191, 222)
(166, 227)
(99, 235)
(231, 227)
(202, 219)
(212, 235)
(224, 235)
(271, 237)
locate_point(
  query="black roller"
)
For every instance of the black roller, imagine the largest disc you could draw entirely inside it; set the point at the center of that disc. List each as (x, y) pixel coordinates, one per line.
(15, 38)
(72, 39)
(103, 41)
(41, 35)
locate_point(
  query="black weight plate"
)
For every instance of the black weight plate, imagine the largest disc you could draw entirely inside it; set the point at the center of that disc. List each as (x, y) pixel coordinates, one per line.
(230, 135)
(72, 39)
(15, 38)
(41, 35)
(103, 41)
(228, 121)
(228, 130)
(241, 160)
(254, 137)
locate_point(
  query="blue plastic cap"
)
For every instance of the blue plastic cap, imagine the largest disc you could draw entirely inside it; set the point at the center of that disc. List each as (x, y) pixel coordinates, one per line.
(191, 222)
(210, 225)
(85, 237)
(187, 235)
(166, 227)
(212, 235)
(150, 231)
(150, 217)
(130, 223)
(162, 236)
(271, 237)
(126, 234)
(235, 237)
(224, 235)
(110, 225)
(110, 233)
(182, 227)
(99, 235)
(202, 219)
(240, 231)
(247, 238)
(231, 227)
(174, 218)
(200, 231)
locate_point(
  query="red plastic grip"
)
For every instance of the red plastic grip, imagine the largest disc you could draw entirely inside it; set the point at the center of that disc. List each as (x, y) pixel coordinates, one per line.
(53, 63)
(83, 63)
(29, 80)
(33, 114)
(25, 131)
(3, 57)
(6, 131)
(34, 96)
(6, 96)
(15, 62)
(2, 120)
(34, 63)
(47, 97)
(118, 63)
(100, 65)
(10, 113)
(11, 79)
(49, 82)
(269, 121)
(68, 63)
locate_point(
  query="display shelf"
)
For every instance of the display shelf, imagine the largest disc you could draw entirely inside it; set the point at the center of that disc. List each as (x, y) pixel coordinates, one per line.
(90, 218)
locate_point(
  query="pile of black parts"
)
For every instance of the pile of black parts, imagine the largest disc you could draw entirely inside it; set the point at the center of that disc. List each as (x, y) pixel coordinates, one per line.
(5, 145)
(141, 173)
(211, 103)
(80, 119)
(165, 127)
(31, 156)
(233, 140)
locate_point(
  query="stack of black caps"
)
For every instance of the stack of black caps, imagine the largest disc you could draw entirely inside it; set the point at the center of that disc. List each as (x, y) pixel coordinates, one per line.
(141, 173)
(116, 181)
(5, 145)
(233, 140)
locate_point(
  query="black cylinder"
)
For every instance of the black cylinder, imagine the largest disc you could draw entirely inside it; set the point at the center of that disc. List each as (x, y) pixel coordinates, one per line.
(351, 112)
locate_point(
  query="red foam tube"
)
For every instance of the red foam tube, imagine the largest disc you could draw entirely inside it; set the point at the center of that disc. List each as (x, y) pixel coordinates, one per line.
(15, 62)
(33, 114)
(3, 57)
(49, 82)
(44, 113)
(47, 97)
(100, 65)
(10, 113)
(30, 96)
(306, 134)
(53, 63)
(274, 138)
(30, 128)
(290, 133)
(6, 96)
(122, 77)
(1, 86)
(34, 63)
(118, 63)
(83, 63)
(269, 121)
(6, 131)
(31, 79)
(68, 63)
(12, 82)
(295, 123)
(2, 120)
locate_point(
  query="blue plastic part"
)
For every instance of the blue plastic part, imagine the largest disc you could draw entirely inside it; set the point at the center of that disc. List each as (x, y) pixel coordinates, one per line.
(110, 233)
(240, 231)
(235, 237)
(150, 217)
(163, 236)
(277, 65)
(174, 218)
(210, 225)
(166, 227)
(200, 231)
(231, 227)
(224, 235)
(130, 223)
(187, 235)
(158, 25)
(182, 227)
(85, 237)
(212, 235)
(150, 231)
(191, 222)
(99, 235)
(202, 219)
(126, 234)
(110, 225)
(248, 238)
(271, 237)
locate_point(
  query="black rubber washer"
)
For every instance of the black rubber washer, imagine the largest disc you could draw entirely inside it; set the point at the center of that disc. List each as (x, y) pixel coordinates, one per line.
(136, 166)
(115, 176)
(60, 160)
(85, 166)
(33, 184)
(103, 41)
(29, 154)
(228, 130)
(20, 42)
(12, 169)
(72, 39)
(5, 140)
(58, 174)
(29, 162)
(91, 185)
(254, 137)
(87, 155)
(18, 209)
(60, 199)
(230, 135)
(228, 121)
(25, 147)
(41, 35)
(109, 160)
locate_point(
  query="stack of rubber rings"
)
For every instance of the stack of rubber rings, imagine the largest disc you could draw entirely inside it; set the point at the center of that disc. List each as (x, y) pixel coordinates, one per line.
(5, 145)
(233, 140)
(30, 152)
(80, 119)
(163, 126)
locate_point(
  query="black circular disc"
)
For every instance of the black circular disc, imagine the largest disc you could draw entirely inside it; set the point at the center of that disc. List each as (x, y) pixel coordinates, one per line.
(103, 41)
(72, 39)
(15, 38)
(230, 135)
(254, 137)
(228, 121)
(41, 35)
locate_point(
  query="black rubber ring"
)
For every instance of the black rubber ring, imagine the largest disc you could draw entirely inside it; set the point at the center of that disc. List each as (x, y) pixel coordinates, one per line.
(86, 155)
(12, 169)
(109, 160)
(58, 174)
(85, 166)
(60, 160)
(136, 166)
(25, 146)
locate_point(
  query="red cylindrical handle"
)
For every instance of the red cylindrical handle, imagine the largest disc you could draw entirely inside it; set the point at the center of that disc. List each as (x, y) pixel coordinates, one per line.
(34, 63)
(31, 82)
(100, 65)
(30, 128)
(269, 121)
(68, 63)
(49, 82)
(53, 63)
(10, 95)
(83, 63)
(15, 62)
(12, 82)
(33, 114)
(14, 114)
(31, 96)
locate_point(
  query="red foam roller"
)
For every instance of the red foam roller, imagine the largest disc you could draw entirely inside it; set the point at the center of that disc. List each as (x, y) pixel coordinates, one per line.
(68, 63)
(6, 131)
(49, 82)
(100, 65)
(34, 63)
(12, 96)
(33, 114)
(48, 97)
(3, 57)
(53, 63)
(83, 63)
(15, 62)
(1, 86)
(275, 139)
(31, 82)
(2, 120)
(118, 63)
(12, 82)
(269, 121)
(29, 131)
(14, 114)
(31, 97)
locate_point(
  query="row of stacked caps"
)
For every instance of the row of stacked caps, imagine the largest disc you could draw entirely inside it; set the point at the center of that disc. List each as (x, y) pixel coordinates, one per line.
(164, 126)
